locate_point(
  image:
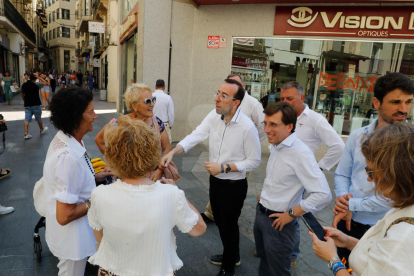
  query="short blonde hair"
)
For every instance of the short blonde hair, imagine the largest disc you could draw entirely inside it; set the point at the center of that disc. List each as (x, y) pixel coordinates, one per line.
(391, 150)
(131, 148)
(133, 92)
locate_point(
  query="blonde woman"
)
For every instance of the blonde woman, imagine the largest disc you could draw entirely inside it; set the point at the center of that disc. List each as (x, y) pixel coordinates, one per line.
(140, 102)
(45, 90)
(387, 247)
(133, 218)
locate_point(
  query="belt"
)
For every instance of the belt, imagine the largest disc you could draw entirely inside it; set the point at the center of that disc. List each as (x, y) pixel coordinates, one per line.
(266, 211)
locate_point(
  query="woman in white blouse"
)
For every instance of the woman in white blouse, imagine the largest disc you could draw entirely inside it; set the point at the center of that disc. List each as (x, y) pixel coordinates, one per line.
(387, 247)
(133, 218)
(69, 180)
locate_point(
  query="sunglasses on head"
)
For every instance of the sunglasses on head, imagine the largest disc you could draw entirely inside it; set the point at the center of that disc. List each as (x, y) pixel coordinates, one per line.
(148, 101)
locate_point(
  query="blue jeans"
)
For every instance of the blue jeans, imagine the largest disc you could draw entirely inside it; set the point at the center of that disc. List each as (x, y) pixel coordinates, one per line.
(274, 247)
(29, 111)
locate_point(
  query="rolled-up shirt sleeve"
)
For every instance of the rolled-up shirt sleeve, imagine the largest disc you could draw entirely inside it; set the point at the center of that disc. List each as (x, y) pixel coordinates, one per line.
(370, 204)
(68, 181)
(315, 183)
(198, 135)
(252, 150)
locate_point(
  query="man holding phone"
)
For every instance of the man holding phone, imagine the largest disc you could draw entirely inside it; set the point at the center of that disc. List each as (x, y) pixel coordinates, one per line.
(291, 168)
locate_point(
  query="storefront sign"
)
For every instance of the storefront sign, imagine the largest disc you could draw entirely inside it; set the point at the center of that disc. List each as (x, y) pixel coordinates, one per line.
(213, 42)
(96, 62)
(223, 42)
(255, 90)
(344, 81)
(244, 41)
(369, 21)
(96, 27)
(128, 24)
(250, 63)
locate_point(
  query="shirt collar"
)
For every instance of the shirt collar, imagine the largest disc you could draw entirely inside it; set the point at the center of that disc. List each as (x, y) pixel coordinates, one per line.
(371, 128)
(288, 141)
(305, 111)
(237, 115)
(161, 91)
(72, 143)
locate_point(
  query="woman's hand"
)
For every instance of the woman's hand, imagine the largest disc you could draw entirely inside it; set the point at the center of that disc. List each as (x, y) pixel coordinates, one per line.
(156, 175)
(168, 181)
(101, 176)
(340, 239)
(324, 250)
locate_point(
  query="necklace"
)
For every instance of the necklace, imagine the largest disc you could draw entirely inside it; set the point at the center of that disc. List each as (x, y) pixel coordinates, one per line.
(87, 159)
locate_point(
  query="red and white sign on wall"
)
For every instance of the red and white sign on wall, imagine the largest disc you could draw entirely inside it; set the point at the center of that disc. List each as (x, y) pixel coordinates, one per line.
(213, 41)
(369, 21)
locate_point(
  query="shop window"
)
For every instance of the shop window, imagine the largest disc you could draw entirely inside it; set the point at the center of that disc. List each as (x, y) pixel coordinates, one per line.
(66, 60)
(66, 14)
(65, 32)
(338, 77)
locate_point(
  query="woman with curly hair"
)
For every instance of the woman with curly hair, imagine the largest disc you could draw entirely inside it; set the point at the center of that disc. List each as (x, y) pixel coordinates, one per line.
(387, 247)
(133, 218)
(69, 179)
(139, 100)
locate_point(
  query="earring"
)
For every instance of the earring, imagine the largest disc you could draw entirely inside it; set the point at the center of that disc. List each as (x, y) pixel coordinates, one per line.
(136, 115)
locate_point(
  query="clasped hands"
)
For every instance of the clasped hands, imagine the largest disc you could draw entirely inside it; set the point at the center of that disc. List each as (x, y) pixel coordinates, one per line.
(342, 212)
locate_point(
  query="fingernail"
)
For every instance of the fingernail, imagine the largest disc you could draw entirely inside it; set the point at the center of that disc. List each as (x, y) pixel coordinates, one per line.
(327, 234)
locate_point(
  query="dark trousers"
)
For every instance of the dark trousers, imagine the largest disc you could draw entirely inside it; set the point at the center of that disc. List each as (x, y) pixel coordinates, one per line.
(357, 231)
(53, 85)
(227, 199)
(275, 248)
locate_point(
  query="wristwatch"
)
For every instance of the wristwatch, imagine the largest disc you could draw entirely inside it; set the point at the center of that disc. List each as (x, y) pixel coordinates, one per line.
(332, 261)
(228, 168)
(291, 213)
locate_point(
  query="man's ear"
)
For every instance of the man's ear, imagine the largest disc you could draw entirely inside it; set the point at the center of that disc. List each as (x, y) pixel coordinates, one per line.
(376, 102)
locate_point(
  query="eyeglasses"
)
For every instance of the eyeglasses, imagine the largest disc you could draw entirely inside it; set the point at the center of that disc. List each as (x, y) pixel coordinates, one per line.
(148, 101)
(271, 125)
(222, 97)
(369, 173)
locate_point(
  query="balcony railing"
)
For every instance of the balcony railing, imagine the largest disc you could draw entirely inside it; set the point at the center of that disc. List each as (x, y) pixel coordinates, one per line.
(78, 52)
(41, 43)
(18, 21)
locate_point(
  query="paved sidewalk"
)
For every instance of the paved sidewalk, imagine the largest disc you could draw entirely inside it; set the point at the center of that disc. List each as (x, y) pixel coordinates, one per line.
(26, 157)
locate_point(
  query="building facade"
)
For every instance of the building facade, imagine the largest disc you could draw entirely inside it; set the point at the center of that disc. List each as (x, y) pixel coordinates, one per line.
(335, 50)
(60, 33)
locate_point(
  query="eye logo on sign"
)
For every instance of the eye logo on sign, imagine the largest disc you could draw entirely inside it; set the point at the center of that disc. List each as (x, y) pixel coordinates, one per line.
(302, 21)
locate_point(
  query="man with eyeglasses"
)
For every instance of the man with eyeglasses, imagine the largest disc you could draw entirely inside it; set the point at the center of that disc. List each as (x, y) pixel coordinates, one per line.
(357, 208)
(234, 149)
(291, 169)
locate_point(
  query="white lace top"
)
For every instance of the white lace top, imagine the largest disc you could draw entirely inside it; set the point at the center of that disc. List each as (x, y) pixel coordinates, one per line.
(68, 179)
(137, 223)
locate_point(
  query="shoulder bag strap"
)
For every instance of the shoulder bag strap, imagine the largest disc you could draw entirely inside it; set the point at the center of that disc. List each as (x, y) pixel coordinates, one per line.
(409, 220)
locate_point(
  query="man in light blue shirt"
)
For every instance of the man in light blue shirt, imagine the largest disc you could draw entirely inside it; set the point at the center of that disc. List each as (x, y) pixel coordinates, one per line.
(291, 168)
(357, 208)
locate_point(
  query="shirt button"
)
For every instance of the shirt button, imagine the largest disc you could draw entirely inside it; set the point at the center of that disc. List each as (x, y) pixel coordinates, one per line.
(64, 188)
(354, 207)
(361, 189)
(373, 209)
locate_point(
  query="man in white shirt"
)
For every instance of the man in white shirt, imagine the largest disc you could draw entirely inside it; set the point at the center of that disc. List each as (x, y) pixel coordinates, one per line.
(312, 128)
(164, 108)
(234, 149)
(291, 168)
(253, 109)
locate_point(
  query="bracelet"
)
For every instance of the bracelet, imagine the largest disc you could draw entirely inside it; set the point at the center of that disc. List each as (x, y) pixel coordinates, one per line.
(338, 269)
(87, 206)
(161, 169)
(336, 265)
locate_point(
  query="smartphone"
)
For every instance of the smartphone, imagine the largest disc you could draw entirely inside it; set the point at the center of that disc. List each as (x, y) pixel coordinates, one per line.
(313, 225)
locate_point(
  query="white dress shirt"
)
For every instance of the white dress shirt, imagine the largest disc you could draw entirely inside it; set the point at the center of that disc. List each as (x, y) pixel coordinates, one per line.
(68, 179)
(253, 109)
(313, 129)
(291, 168)
(164, 107)
(234, 142)
(392, 255)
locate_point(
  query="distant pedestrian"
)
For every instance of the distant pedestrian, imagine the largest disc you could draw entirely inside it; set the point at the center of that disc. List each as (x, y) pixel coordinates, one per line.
(30, 96)
(164, 108)
(53, 77)
(79, 78)
(63, 80)
(45, 90)
(72, 79)
(8, 81)
(91, 81)
(69, 179)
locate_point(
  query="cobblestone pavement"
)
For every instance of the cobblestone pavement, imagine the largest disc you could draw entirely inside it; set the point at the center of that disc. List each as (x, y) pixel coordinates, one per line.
(26, 157)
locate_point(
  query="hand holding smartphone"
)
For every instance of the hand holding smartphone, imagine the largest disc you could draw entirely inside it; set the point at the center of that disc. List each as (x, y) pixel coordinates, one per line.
(314, 226)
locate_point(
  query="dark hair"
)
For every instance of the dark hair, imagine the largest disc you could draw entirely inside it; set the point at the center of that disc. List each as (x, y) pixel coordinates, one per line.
(240, 91)
(289, 113)
(67, 108)
(391, 151)
(390, 82)
(32, 77)
(25, 74)
(236, 75)
(160, 83)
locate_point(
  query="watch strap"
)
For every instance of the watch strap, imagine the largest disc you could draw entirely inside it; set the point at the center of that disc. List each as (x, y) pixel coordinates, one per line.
(228, 169)
(291, 213)
(222, 168)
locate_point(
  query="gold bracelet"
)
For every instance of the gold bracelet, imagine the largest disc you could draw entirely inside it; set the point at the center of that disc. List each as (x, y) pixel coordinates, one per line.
(87, 206)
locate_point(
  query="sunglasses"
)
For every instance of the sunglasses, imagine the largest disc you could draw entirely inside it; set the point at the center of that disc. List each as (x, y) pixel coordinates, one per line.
(369, 173)
(148, 101)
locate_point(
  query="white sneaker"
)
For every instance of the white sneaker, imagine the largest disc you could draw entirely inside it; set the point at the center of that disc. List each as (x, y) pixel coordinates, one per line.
(27, 136)
(5, 210)
(44, 130)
